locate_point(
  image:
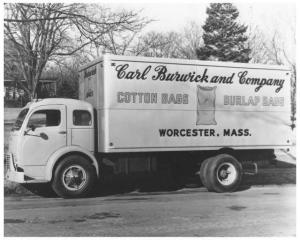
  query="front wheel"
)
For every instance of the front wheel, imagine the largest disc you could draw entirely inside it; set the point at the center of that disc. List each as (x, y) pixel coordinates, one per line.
(223, 173)
(74, 177)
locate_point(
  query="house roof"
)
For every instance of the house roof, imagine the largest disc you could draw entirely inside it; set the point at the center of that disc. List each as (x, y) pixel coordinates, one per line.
(46, 80)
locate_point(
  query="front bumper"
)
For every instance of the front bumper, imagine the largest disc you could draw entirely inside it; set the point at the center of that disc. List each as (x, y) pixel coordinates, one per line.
(15, 176)
(15, 173)
(11, 170)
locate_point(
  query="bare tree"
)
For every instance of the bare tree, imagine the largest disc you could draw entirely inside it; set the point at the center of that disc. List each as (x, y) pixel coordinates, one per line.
(157, 44)
(40, 33)
(191, 40)
(273, 50)
(120, 42)
(181, 44)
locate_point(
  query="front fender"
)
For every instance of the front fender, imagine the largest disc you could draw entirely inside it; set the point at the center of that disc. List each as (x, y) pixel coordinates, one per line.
(67, 150)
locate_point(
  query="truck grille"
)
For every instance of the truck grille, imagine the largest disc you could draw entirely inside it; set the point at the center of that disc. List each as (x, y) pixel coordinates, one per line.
(6, 162)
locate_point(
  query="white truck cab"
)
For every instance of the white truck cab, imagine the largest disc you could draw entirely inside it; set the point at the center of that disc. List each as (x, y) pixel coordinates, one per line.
(47, 131)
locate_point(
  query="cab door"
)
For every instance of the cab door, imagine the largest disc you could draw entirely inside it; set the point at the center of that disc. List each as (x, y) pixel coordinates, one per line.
(44, 134)
(82, 131)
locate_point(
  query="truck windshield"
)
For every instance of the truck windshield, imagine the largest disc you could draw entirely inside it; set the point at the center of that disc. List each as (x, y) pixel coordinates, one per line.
(20, 119)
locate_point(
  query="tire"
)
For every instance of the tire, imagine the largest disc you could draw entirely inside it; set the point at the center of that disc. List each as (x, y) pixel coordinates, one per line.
(74, 177)
(223, 173)
(203, 171)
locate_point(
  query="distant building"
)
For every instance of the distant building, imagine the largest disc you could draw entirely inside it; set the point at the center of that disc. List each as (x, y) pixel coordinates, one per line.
(14, 95)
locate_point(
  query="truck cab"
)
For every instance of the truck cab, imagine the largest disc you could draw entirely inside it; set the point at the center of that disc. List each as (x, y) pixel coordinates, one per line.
(47, 132)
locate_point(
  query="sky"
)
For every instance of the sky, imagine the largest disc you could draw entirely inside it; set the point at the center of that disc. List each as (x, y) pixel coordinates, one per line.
(267, 16)
(173, 16)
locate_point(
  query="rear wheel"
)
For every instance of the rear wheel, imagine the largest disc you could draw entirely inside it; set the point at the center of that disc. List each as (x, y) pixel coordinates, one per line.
(74, 177)
(222, 173)
(203, 170)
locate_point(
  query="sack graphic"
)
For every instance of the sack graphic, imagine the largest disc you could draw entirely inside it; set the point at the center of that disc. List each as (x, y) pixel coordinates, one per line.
(206, 97)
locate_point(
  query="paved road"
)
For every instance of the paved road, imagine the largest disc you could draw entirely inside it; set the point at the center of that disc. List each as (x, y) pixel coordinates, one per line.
(258, 211)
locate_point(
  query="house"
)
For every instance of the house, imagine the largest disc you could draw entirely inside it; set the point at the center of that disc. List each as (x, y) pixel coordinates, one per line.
(14, 95)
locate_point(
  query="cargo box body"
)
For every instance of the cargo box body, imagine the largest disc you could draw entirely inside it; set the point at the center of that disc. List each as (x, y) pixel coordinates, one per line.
(156, 104)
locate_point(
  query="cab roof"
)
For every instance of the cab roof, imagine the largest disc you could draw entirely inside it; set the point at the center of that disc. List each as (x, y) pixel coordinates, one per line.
(62, 101)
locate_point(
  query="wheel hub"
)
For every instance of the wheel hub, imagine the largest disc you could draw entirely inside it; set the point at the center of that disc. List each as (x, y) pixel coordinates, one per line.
(74, 177)
(226, 173)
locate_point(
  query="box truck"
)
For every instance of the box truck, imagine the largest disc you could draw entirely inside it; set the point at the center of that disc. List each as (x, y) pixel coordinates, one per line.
(139, 114)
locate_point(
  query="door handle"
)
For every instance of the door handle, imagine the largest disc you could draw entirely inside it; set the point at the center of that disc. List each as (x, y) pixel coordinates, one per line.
(62, 132)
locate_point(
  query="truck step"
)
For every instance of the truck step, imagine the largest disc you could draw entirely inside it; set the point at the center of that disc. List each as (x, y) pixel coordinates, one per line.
(250, 168)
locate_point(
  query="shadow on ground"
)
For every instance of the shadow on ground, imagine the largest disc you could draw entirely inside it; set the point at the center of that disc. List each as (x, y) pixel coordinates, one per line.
(275, 174)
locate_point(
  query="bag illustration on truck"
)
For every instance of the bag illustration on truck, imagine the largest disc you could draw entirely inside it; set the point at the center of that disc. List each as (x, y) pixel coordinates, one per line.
(206, 101)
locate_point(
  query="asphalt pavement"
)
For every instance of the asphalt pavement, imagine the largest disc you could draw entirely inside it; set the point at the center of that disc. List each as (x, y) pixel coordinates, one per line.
(252, 212)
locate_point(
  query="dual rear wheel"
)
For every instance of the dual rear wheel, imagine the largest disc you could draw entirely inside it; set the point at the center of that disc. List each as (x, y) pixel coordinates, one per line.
(222, 173)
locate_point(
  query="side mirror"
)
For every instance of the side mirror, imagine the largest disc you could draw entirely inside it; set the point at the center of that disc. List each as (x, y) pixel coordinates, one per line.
(44, 136)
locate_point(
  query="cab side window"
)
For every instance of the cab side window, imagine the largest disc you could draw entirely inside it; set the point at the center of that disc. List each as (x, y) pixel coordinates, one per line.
(44, 118)
(82, 118)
